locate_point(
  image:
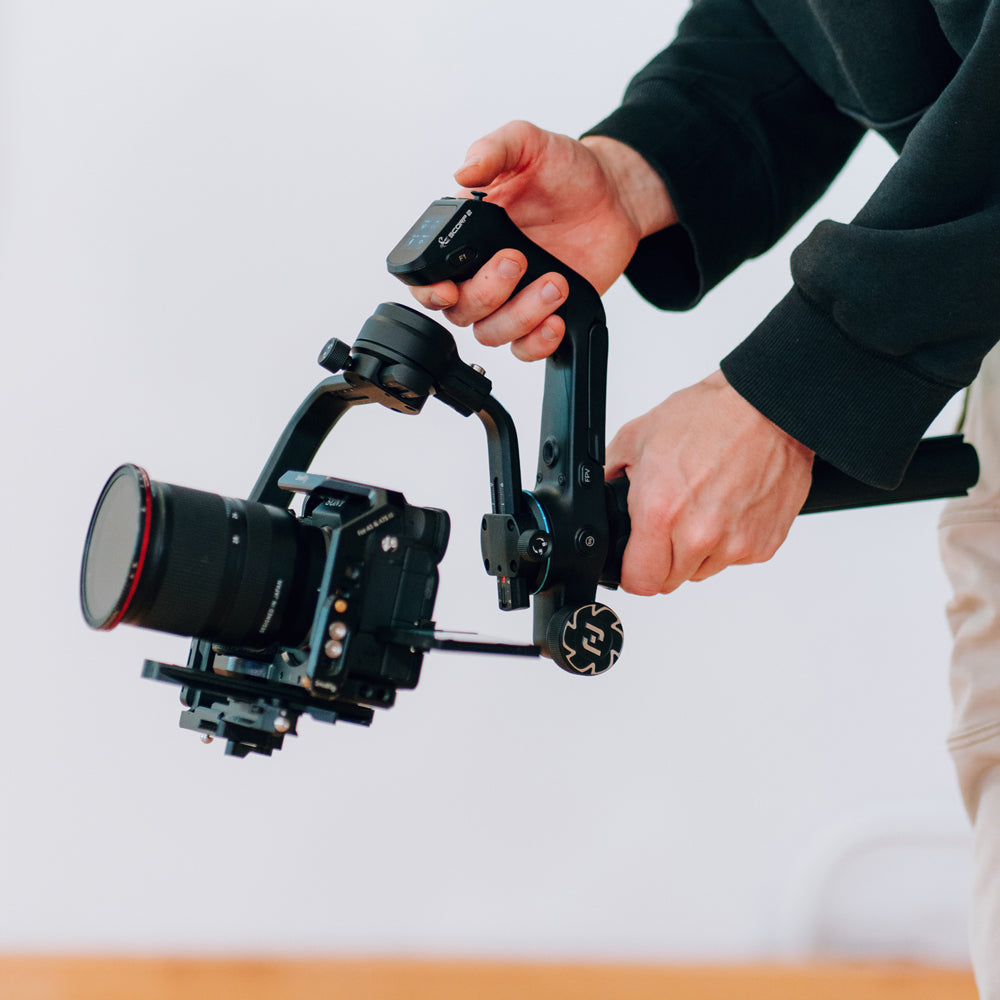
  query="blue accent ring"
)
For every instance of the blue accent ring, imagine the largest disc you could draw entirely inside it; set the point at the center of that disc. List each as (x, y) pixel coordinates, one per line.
(545, 527)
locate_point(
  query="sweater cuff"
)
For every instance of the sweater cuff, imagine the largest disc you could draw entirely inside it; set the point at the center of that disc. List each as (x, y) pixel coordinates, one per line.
(709, 169)
(862, 412)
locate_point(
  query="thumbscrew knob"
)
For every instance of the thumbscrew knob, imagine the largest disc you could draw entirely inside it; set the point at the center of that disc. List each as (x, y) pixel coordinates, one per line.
(335, 355)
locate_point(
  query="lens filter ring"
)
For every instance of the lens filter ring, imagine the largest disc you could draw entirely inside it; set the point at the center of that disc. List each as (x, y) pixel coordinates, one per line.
(116, 547)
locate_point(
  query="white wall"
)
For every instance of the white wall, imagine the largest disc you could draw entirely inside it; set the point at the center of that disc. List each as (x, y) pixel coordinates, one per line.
(193, 197)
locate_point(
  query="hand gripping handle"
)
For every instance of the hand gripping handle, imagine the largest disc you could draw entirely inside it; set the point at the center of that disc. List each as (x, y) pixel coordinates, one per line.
(941, 467)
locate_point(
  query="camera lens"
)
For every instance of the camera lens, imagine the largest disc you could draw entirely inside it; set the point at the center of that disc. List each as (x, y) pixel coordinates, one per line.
(165, 557)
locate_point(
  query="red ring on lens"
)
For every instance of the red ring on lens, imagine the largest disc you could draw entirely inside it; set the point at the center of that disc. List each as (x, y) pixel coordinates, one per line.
(140, 561)
(105, 599)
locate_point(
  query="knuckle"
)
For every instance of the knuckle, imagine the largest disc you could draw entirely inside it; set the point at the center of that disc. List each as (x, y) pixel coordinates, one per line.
(521, 130)
(640, 584)
(481, 299)
(425, 296)
(524, 350)
(487, 334)
(528, 349)
(768, 550)
(457, 315)
(704, 538)
(739, 550)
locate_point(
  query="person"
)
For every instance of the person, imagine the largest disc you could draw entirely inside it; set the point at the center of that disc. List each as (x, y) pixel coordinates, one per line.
(720, 144)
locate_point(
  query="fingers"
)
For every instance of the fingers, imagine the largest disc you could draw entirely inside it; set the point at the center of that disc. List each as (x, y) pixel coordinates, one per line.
(488, 289)
(713, 483)
(649, 555)
(541, 342)
(480, 295)
(526, 321)
(678, 536)
(484, 302)
(443, 295)
(666, 550)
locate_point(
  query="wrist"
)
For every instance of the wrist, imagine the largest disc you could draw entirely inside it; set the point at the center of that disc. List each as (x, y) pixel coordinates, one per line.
(639, 188)
(741, 407)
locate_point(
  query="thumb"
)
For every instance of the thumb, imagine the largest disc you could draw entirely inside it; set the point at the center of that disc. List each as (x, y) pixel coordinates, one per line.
(504, 150)
(616, 462)
(619, 454)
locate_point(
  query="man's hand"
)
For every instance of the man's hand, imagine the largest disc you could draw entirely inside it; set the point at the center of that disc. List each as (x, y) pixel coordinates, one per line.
(588, 203)
(712, 483)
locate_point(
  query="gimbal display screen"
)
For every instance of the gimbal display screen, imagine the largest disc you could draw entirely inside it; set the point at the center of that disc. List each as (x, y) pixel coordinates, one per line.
(427, 227)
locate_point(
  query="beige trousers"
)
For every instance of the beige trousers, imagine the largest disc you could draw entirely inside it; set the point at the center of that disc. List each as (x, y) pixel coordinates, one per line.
(970, 550)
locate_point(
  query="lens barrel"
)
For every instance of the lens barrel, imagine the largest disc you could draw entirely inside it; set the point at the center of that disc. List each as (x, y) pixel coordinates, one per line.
(165, 557)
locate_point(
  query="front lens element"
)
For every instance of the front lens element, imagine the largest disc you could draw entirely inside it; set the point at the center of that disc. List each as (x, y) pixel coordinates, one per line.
(116, 547)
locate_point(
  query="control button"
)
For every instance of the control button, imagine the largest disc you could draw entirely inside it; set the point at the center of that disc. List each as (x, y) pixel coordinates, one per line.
(463, 257)
(587, 475)
(586, 540)
(595, 447)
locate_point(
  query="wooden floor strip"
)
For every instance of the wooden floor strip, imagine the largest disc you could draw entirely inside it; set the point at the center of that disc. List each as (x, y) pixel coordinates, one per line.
(38, 977)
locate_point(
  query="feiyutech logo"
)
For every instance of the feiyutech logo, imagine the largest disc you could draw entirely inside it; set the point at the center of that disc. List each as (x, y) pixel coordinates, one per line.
(592, 639)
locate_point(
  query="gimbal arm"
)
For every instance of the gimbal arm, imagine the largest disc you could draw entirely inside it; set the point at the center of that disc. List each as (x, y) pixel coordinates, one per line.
(585, 521)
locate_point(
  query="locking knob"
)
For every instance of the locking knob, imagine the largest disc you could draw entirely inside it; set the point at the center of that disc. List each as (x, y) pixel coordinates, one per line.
(585, 640)
(334, 356)
(534, 545)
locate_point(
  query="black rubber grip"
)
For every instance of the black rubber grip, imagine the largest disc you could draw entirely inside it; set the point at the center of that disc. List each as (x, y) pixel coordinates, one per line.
(941, 467)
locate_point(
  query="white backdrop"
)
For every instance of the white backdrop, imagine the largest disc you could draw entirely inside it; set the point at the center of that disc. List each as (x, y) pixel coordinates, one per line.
(193, 197)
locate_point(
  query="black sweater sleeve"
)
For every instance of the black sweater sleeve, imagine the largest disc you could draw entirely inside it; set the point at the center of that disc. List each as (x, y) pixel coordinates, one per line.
(743, 139)
(889, 315)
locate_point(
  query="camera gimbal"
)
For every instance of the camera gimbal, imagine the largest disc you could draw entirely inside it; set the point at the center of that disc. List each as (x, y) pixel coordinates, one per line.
(336, 615)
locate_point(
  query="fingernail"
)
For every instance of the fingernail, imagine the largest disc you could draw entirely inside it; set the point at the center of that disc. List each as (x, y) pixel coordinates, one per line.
(550, 292)
(549, 332)
(509, 269)
(437, 301)
(470, 162)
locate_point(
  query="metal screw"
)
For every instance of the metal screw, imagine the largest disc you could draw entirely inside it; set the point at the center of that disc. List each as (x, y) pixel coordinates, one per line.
(207, 739)
(478, 369)
(282, 724)
(333, 649)
(338, 630)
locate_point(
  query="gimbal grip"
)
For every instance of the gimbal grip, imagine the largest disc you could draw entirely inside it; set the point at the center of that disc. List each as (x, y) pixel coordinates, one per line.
(941, 467)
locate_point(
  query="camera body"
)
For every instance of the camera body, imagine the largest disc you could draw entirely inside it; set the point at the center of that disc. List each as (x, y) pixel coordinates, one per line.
(380, 580)
(373, 607)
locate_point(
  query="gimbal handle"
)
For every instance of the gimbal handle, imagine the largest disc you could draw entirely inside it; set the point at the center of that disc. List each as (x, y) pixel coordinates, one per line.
(452, 240)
